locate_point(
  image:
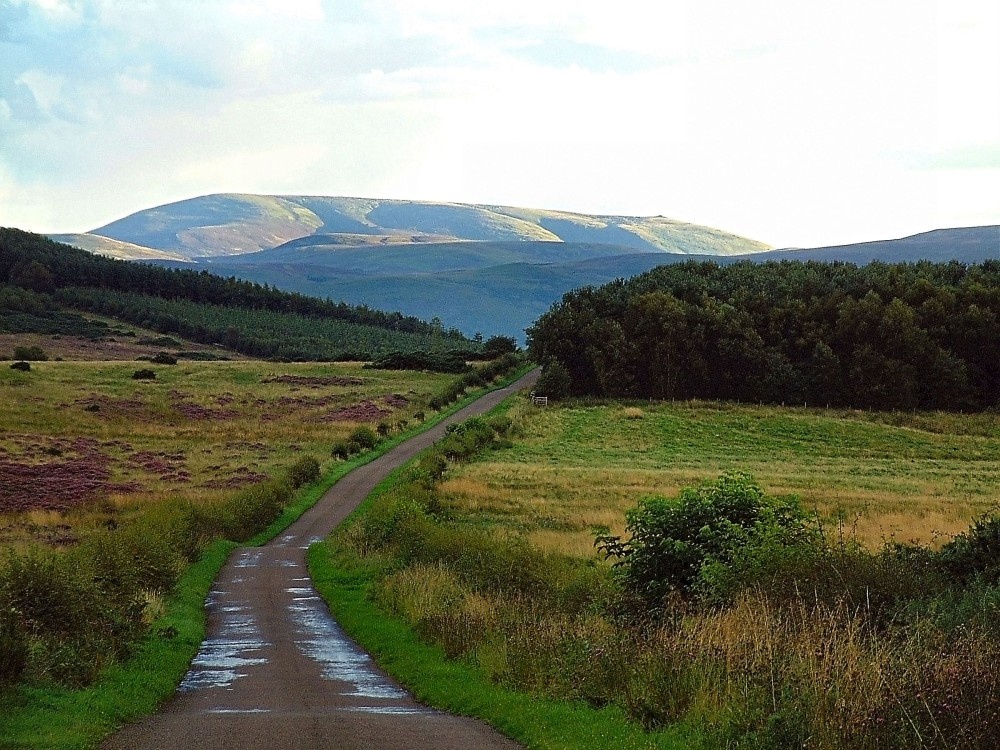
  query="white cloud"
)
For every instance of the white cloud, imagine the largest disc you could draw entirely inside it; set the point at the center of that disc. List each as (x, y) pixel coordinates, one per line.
(794, 122)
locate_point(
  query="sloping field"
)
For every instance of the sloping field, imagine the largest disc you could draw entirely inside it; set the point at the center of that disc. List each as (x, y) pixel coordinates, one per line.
(871, 476)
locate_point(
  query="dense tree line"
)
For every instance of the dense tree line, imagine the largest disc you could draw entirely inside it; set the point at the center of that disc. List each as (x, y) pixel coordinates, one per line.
(34, 262)
(882, 336)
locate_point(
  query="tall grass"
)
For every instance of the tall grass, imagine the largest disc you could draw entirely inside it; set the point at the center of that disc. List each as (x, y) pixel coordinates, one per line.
(830, 646)
(66, 615)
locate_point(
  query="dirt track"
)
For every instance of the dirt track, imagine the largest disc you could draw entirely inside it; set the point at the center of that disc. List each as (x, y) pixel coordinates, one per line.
(276, 671)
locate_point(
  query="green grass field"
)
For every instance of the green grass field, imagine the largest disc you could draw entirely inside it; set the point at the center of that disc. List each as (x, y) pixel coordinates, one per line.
(830, 644)
(912, 477)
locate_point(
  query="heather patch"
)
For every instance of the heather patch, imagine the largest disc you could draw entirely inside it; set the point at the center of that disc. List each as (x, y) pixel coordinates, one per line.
(364, 411)
(57, 475)
(314, 381)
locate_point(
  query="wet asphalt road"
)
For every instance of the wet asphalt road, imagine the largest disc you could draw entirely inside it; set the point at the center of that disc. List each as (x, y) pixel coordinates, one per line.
(276, 671)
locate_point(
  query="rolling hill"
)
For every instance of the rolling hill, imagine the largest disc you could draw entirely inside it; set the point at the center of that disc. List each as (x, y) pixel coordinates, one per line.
(95, 243)
(231, 224)
(502, 287)
(488, 269)
(965, 244)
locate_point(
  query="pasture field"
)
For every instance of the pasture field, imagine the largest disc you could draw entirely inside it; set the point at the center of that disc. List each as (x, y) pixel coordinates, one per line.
(779, 637)
(83, 441)
(873, 476)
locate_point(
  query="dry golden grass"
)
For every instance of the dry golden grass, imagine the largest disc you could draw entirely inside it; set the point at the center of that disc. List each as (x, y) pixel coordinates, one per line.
(196, 432)
(913, 477)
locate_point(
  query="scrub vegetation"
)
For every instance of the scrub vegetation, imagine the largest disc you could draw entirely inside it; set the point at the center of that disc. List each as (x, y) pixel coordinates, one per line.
(721, 609)
(98, 624)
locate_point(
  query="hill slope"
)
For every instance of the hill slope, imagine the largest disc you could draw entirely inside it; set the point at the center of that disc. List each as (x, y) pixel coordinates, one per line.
(502, 287)
(95, 243)
(229, 224)
(41, 280)
(965, 244)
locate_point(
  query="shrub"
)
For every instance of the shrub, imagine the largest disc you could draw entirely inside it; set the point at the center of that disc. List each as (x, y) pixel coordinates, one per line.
(21, 366)
(303, 472)
(245, 513)
(144, 375)
(70, 630)
(163, 358)
(451, 361)
(13, 647)
(341, 449)
(31, 353)
(680, 546)
(497, 346)
(255, 508)
(363, 438)
(975, 553)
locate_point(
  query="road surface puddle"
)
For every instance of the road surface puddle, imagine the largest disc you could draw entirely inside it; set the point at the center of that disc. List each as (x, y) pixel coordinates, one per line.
(322, 640)
(249, 559)
(222, 660)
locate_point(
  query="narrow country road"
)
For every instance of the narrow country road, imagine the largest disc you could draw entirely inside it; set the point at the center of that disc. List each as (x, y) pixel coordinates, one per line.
(276, 671)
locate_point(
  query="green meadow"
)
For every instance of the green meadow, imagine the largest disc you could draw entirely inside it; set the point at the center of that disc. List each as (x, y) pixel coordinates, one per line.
(855, 609)
(872, 475)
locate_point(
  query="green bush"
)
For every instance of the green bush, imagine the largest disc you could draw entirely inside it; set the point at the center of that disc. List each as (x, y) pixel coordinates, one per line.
(554, 381)
(450, 361)
(681, 546)
(975, 553)
(251, 509)
(70, 631)
(145, 374)
(341, 449)
(21, 366)
(497, 346)
(30, 353)
(363, 438)
(13, 647)
(304, 471)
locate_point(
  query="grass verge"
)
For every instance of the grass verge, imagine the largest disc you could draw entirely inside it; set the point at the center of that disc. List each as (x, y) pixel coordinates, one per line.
(459, 688)
(62, 718)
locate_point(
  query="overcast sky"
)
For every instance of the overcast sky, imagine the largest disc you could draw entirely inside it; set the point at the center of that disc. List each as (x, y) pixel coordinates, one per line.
(793, 122)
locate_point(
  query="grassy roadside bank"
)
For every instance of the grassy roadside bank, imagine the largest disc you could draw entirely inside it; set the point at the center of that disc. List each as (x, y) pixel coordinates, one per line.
(346, 582)
(54, 717)
(462, 689)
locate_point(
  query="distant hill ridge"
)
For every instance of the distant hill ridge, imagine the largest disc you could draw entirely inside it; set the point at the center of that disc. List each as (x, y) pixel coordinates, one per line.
(480, 268)
(232, 223)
